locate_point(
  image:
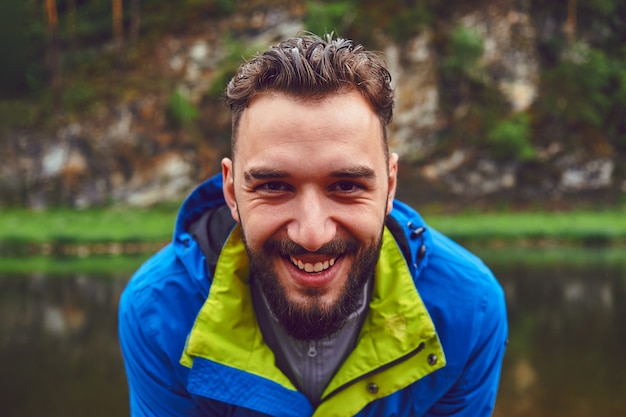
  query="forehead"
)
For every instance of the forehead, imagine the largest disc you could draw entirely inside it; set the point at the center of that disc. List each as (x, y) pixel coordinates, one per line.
(278, 121)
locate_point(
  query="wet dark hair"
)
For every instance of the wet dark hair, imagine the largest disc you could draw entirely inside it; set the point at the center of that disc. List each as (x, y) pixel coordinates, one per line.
(310, 67)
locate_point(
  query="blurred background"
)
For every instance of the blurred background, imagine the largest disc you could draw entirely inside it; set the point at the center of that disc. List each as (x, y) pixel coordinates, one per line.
(111, 112)
(120, 101)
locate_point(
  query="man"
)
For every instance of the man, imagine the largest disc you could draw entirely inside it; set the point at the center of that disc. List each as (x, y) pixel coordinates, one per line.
(295, 285)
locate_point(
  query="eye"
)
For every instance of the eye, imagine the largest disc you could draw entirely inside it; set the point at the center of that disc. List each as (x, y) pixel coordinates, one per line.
(273, 187)
(346, 187)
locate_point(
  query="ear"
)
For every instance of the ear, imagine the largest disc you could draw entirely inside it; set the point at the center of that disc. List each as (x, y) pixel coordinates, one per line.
(228, 187)
(393, 180)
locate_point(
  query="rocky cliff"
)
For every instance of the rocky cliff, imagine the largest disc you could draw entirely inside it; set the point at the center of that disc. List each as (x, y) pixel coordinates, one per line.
(166, 133)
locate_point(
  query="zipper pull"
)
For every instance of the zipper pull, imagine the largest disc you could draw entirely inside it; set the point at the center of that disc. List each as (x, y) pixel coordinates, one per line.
(312, 350)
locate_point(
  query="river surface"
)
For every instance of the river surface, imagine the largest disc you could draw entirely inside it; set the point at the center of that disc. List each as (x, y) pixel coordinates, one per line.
(59, 355)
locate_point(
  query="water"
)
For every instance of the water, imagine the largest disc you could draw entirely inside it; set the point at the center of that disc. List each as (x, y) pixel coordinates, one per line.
(566, 355)
(567, 308)
(58, 347)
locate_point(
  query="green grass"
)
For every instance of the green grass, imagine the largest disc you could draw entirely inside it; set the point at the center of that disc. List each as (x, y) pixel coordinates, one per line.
(87, 226)
(65, 226)
(113, 266)
(75, 237)
(572, 256)
(579, 227)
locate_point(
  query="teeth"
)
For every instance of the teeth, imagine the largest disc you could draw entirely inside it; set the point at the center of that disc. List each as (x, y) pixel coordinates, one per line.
(309, 267)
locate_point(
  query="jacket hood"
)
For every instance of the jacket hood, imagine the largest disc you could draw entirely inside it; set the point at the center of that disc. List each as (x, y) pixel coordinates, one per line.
(206, 196)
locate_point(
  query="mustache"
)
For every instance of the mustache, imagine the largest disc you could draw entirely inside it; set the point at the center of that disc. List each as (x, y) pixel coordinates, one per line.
(287, 247)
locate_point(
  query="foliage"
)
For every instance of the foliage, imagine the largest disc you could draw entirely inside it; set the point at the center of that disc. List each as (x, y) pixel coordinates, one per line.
(475, 109)
(328, 17)
(409, 23)
(400, 20)
(21, 48)
(18, 113)
(480, 113)
(586, 92)
(78, 95)
(510, 138)
(585, 73)
(180, 111)
(463, 53)
(82, 25)
(237, 51)
(598, 22)
(220, 6)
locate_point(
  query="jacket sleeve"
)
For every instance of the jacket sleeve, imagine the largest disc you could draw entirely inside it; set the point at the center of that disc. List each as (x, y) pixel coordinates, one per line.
(474, 393)
(155, 387)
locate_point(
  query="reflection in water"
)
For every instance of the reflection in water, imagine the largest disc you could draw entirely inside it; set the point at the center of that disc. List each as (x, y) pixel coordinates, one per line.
(567, 338)
(59, 354)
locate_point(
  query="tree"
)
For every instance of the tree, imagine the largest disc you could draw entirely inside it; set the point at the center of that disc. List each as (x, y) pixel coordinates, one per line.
(570, 25)
(53, 60)
(135, 20)
(118, 30)
(71, 19)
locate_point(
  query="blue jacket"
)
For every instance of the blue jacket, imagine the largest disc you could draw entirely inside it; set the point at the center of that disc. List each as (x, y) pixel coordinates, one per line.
(431, 345)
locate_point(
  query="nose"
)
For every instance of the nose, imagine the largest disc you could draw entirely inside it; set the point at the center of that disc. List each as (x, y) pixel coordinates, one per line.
(312, 225)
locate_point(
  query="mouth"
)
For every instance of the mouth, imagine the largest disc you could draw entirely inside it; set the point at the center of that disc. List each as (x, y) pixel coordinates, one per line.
(312, 267)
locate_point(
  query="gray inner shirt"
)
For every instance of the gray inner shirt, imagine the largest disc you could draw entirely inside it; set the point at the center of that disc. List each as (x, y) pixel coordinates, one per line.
(309, 364)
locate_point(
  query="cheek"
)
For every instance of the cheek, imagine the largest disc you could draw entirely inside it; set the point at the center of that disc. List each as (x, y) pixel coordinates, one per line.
(258, 228)
(366, 226)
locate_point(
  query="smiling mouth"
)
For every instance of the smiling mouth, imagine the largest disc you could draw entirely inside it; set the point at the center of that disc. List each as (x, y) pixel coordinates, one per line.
(312, 267)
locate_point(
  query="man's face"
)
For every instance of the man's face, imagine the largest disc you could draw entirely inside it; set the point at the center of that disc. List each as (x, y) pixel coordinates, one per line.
(311, 186)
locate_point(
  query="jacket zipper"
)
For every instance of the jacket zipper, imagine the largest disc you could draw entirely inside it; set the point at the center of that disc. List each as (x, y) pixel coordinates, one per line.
(375, 371)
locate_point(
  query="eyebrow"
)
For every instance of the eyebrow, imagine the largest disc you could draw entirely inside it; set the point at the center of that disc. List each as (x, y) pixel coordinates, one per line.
(355, 172)
(264, 174)
(268, 173)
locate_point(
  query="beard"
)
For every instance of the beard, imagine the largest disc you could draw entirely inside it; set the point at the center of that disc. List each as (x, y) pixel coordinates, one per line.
(313, 319)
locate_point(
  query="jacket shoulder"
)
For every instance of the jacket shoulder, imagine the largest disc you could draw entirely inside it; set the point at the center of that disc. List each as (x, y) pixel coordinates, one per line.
(160, 304)
(453, 267)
